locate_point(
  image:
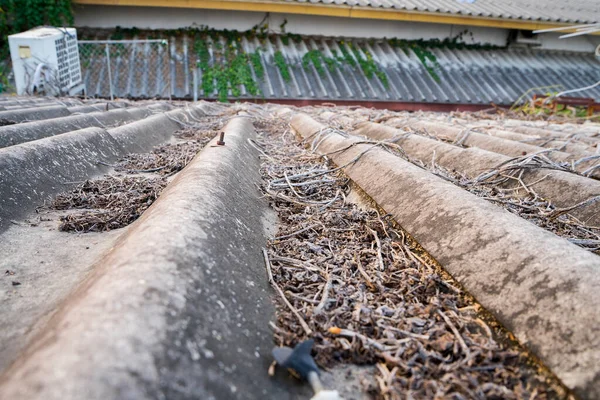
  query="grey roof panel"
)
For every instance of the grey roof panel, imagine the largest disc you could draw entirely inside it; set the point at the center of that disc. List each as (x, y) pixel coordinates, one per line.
(565, 11)
(462, 76)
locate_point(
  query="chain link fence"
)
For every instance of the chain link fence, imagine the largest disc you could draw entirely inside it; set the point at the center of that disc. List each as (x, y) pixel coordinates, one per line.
(126, 68)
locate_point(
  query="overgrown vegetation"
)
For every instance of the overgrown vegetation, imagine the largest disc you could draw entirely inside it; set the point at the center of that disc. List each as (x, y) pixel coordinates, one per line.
(21, 15)
(368, 66)
(530, 110)
(316, 58)
(422, 49)
(549, 106)
(226, 65)
(282, 66)
(230, 67)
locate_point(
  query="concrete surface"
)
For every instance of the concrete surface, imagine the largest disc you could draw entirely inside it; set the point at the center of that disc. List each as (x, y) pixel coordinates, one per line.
(47, 264)
(11, 135)
(140, 112)
(492, 143)
(34, 113)
(578, 150)
(180, 307)
(8, 107)
(24, 132)
(68, 102)
(539, 286)
(15, 101)
(31, 172)
(88, 108)
(584, 133)
(141, 135)
(476, 139)
(563, 189)
(532, 130)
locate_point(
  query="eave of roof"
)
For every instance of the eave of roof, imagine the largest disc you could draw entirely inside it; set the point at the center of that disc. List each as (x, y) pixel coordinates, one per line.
(336, 10)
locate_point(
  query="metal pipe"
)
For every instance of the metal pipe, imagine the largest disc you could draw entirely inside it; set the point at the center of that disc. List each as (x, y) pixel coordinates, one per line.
(122, 41)
(195, 72)
(110, 83)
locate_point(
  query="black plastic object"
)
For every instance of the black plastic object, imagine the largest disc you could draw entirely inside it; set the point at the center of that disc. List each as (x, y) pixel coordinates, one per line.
(297, 359)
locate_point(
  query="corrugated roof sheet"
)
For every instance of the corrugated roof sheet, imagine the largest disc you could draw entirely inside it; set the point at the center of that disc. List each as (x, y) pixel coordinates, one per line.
(464, 76)
(565, 11)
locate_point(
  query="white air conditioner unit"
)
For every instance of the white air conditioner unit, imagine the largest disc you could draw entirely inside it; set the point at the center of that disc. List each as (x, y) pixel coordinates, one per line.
(46, 60)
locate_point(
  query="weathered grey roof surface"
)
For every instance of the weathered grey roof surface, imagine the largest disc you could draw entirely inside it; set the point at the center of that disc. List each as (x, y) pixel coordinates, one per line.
(461, 76)
(507, 207)
(574, 11)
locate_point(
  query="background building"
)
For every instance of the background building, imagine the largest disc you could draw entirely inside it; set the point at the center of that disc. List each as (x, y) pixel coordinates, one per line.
(451, 52)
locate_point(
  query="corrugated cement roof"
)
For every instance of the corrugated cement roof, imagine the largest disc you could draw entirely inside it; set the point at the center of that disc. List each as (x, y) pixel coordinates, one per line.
(565, 11)
(461, 76)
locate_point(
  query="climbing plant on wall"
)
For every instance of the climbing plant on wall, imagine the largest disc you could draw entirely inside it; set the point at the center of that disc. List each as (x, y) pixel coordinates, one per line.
(227, 67)
(422, 49)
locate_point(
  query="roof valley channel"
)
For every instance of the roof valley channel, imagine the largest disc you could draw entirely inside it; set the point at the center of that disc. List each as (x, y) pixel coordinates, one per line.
(201, 285)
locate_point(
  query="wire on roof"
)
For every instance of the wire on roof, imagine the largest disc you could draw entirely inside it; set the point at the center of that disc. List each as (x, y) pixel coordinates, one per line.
(585, 29)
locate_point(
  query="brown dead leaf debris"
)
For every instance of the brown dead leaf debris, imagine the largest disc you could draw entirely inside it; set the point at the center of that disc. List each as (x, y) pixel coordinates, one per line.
(167, 159)
(115, 201)
(107, 203)
(356, 284)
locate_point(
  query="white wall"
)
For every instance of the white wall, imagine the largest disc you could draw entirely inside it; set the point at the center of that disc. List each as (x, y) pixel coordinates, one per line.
(586, 43)
(173, 18)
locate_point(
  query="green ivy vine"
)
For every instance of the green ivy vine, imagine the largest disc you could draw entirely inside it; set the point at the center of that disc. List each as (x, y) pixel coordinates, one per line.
(230, 70)
(369, 67)
(316, 58)
(422, 49)
(282, 66)
(229, 66)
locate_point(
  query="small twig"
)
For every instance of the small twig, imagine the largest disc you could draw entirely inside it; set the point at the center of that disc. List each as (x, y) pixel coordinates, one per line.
(146, 170)
(296, 233)
(461, 341)
(325, 297)
(293, 309)
(107, 164)
(334, 330)
(379, 255)
(560, 211)
(361, 270)
(268, 265)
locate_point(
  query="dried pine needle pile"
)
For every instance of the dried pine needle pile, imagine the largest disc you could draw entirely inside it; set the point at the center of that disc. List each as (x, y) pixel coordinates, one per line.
(167, 159)
(352, 281)
(107, 203)
(115, 201)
